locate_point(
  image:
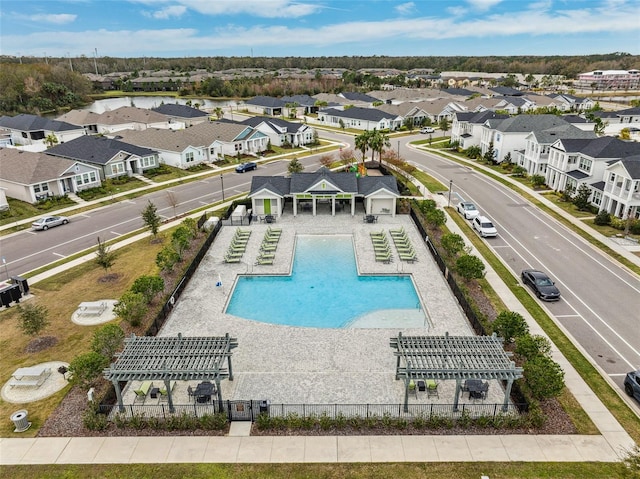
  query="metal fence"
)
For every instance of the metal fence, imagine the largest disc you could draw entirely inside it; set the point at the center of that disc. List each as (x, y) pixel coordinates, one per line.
(249, 410)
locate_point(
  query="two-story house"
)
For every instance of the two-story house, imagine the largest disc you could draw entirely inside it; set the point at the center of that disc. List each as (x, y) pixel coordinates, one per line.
(282, 132)
(621, 188)
(466, 128)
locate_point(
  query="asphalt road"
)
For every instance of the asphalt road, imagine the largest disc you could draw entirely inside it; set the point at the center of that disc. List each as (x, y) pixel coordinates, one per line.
(600, 303)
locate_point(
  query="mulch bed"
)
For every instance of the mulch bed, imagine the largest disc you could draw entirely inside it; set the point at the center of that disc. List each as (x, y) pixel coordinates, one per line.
(40, 344)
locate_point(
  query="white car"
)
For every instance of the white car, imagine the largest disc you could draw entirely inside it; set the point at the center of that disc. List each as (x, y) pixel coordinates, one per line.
(484, 227)
(467, 209)
(47, 222)
(427, 129)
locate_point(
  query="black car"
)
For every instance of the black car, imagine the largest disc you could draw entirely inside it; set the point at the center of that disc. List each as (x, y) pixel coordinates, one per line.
(246, 167)
(541, 284)
(632, 384)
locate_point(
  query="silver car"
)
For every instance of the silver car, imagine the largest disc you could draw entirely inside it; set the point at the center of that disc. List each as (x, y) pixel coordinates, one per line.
(47, 222)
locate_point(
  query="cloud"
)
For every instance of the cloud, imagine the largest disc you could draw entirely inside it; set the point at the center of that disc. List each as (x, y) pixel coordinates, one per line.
(255, 8)
(55, 18)
(405, 8)
(167, 12)
(483, 5)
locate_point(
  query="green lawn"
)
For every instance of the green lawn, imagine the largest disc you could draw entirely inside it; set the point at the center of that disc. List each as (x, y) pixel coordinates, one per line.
(19, 210)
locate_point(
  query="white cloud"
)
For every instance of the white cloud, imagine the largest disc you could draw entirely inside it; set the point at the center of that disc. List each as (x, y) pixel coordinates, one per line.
(483, 5)
(55, 18)
(168, 12)
(256, 8)
(406, 8)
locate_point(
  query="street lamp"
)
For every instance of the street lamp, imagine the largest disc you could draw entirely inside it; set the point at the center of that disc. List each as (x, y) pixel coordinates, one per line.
(222, 187)
(450, 188)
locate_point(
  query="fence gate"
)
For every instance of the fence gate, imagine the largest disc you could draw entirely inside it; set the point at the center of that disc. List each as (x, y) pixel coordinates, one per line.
(241, 410)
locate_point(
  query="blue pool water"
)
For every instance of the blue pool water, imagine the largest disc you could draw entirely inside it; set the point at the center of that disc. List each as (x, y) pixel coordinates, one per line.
(323, 291)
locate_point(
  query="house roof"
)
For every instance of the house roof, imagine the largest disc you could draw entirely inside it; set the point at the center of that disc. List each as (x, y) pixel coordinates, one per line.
(561, 131)
(368, 114)
(268, 101)
(632, 165)
(345, 181)
(97, 149)
(356, 96)
(479, 117)
(80, 117)
(280, 185)
(180, 111)
(27, 168)
(25, 122)
(577, 174)
(603, 147)
(598, 185)
(458, 91)
(526, 123)
(130, 114)
(274, 123)
(506, 91)
(303, 100)
(635, 111)
(370, 184)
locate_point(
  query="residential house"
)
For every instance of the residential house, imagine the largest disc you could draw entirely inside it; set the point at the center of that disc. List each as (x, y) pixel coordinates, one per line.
(306, 190)
(515, 105)
(34, 176)
(573, 162)
(202, 143)
(266, 105)
(306, 104)
(572, 103)
(282, 132)
(359, 118)
(112, 157)
(410, 113)
(508, 135)
(33, 132)
(467, 127)
(535, 155)
(621, 188)
(359, 99)
(185, 114)
(123, 118)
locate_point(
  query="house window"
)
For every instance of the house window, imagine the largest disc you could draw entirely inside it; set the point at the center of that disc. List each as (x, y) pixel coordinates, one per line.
(41, 188)
(117, 168)
(596, 199)
(585, 165)
(572, 160)
(86, 178)
(147, 161)
(238, 146)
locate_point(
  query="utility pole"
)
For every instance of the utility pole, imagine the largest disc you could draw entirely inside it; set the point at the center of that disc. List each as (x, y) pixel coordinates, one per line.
(450, 188)
(70, 64)
(95, 59)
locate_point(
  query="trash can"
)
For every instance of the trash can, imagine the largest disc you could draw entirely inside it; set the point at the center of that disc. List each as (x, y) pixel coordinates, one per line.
(5, 297)
(264, 406)
(20, 421)
(16, 294)
(22, 283)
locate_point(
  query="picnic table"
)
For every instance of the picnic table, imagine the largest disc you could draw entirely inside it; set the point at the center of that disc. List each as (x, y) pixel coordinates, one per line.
(29, 377)
(92, 308)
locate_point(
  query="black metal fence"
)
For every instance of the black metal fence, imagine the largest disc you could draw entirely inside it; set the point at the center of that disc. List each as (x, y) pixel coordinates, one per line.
(239, 410)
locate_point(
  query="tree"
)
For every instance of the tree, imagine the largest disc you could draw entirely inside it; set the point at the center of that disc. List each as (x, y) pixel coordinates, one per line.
(167, 258)
(326, 160)
(172, 200)
(603, 218)
(544, 377)
(107, 340)
(362, 143)
(452, 243)
(581, 198)
(378, 141)
(219, 112)
(151, 218)
(510, 325)
(131, 307)
(104, 256)
(295, 166)
(625, 134)
(537, 180)
(341, 123)
(473, 152)
(490, 154)
(470, 267)
(444, 124)
(529, 346)
(149, 286)
(180, 240)
(435, 217)
(33, 318)
(86, 368)
(51, 140)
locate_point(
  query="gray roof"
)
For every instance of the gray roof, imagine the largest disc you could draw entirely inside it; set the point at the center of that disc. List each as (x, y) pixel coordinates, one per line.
(598, 185)
(632, 165)
(289, 126)
(526, 123)
(345, 181)
(356, 96)
(304, 100)
(577, 174)
(603, 147)
(459, 91)
(479, 117)
(96, 149)
(370, 184)
(27, 168)
(180, 111)
(635, 111)
(369, 114)
(279, 185)
(562, 131)
(267, 101)
(26, 122)
(506, 91)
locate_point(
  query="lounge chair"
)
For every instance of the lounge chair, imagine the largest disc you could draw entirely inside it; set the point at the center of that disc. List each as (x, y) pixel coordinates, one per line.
(142, 391)
(266, 256)
(384, 258)
(267, 247)
(408, 258)
(269, 239)
(397, 230)
(263, 261)
(274, 231)
(232, 259)
(164, 395)
(381, 248)
(241, 232)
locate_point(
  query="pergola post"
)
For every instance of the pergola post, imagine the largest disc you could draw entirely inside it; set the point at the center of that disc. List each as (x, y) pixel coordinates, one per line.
(406, 395)
(116, 386)
(457, 397)
(167, 385)
(507, 393)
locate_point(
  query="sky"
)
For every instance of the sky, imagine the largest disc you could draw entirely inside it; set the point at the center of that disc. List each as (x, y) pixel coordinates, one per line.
(305, 28)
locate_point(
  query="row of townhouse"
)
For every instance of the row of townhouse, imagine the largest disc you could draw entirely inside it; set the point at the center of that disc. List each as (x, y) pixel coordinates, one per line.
(563, 149)
(86, 160)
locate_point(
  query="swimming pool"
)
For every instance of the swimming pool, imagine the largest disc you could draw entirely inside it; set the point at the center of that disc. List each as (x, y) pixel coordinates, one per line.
(325, 290)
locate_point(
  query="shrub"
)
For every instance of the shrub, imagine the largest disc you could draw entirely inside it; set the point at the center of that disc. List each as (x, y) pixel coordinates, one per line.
(470, 267)
(537, 181)
(529, 346)
(452, 243)
(426, 205)
(519, 171)
(436, 217)
(93, 420)
(167, 258)
(581, 198)
(544, 377)
(602, 218)
(131, 307)
(510, 325)
(107, 340)
(33, 318)
(149, 286)
(86, 368)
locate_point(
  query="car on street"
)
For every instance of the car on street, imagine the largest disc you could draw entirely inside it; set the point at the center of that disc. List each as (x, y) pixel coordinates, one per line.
(241, 168)
(632, 384)
(467, 209)
(484, 227)
(541, 284)
(427, 129)
(47, 222)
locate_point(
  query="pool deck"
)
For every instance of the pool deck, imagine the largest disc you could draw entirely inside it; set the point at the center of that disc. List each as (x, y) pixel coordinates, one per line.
(294, 365)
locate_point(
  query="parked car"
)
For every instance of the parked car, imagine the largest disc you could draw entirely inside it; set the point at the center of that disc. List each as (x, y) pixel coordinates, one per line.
(241, 168)
(47, 222)
(484, 226)
(541, 284)
(427, 129)
(632, 384)
(468, 210)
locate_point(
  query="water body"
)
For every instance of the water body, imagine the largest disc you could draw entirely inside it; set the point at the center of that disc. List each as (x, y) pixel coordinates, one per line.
(148, 102)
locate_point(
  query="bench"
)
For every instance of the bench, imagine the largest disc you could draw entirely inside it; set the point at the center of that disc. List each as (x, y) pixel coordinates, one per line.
(92, 308)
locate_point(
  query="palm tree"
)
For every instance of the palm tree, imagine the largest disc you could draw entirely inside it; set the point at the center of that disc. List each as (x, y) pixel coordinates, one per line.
(377, 142)
(51, 140)
(362, 143)
(219, 112)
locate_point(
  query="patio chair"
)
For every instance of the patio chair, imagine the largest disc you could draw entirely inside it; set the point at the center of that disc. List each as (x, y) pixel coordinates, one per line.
(232, 259)
(142, 391)
(264, 261)
(268, 247)
(274, 231)
(266, 256)
(432, 388)
(269, 219)
(397, 230)
(409, 258)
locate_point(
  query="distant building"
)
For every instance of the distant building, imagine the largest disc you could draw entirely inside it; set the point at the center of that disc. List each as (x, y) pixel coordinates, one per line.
(609, 80)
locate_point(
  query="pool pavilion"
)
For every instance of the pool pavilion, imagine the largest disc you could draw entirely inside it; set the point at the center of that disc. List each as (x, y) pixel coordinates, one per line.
(308, 190)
